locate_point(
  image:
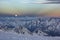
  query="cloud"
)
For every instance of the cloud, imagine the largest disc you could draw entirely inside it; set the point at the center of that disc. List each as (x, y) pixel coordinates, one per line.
(53, 0)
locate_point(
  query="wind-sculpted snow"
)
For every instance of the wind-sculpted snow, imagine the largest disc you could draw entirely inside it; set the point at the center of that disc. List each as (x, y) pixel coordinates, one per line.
(14, 36)
(43, 26)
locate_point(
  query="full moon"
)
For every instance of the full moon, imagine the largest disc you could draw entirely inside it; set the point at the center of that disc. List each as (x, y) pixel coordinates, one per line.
(16, 15)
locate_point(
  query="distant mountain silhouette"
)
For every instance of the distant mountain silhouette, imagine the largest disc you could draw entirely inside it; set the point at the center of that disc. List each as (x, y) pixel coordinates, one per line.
(5, 14)
(32, 14)
(23, 15)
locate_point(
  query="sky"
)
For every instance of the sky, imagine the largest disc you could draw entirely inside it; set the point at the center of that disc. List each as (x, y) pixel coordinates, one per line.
(18, 6)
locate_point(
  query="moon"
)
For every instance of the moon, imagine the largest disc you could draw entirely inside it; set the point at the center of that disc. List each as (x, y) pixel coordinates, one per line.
(16, 15)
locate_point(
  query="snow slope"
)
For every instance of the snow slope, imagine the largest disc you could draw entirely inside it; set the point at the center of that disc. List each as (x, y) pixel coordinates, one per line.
(15, 36)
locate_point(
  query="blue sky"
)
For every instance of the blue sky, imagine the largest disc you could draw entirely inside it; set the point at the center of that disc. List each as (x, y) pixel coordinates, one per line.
(14, 5)
(25, 4)
(22, 3)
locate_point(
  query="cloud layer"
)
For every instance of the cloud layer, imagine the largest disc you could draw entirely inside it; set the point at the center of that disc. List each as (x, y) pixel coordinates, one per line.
(53, 0)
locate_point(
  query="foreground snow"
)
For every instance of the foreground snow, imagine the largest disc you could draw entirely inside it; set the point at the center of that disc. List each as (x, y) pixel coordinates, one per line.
(15, 36)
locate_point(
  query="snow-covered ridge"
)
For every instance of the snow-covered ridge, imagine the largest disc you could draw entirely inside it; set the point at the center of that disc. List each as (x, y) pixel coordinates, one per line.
(43, 26)
(15, 36)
